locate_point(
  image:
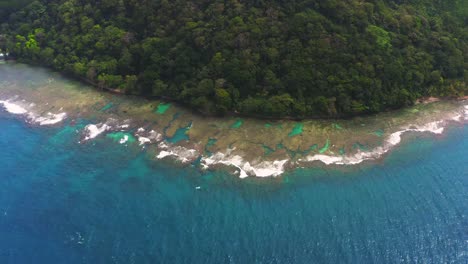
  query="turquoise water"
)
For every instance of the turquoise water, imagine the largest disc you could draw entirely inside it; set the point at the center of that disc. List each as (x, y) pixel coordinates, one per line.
(180, 135)
(102, 202)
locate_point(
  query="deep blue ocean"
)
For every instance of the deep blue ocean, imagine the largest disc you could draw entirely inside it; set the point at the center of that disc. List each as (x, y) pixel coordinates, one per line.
(101, 202)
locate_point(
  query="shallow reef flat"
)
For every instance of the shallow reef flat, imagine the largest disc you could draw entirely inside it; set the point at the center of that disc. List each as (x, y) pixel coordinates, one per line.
(252, 147)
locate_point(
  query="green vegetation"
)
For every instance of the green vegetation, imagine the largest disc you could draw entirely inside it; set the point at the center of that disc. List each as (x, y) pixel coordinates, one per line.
(302, 58)
(9, 6)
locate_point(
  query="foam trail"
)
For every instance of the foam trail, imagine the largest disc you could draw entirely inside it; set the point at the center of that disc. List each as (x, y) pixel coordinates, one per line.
(220, 158)
(147, 137)
(143, 140)
(13, 108)
(94, 130)
(267, 168)
(50, 119)
(392, 140)
(182, 154)
(258, 169)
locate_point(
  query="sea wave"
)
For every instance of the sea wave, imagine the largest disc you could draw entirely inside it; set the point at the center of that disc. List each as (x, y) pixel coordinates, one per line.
(150, 137)
(266, 168)
(13, 108)
(182, 154)
(23, 108)
(436, 127)
(466, 112)
(94, 130)
(48, 119)
(246, 167)
(255, 168)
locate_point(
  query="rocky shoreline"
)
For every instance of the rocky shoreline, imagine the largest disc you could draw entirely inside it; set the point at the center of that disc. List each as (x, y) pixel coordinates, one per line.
(254, 147)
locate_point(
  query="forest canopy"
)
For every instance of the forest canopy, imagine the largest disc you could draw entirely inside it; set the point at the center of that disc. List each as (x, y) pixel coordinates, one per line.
(309, 58)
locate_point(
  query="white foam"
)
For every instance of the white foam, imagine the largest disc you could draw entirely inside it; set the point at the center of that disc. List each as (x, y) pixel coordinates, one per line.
(123, 140)
(49, 119)
(143, 140)
(436, 127)
(466, 112)
(325, 159)
(13, 108)
(182, 154)
(94, 130)
(354, 159)
(258, 169)
(153, 135)
(146, 138)
(163, 154)
(268, 168)
(457, 118)
(392, 140)
(432, 127)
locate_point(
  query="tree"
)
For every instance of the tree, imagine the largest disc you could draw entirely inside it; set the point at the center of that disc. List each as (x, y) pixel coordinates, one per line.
(274, 58)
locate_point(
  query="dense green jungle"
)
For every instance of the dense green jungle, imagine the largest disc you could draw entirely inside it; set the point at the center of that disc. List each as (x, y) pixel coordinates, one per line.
(303, 58)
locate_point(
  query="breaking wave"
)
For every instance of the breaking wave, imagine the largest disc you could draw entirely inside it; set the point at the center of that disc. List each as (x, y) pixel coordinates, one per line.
(257, 167)
(22, 108)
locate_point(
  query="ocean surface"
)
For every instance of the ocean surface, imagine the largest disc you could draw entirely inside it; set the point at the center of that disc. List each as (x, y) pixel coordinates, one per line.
(102, 202)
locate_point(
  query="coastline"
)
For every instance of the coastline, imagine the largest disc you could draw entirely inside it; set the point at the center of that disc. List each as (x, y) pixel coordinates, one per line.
(230, 114)
(254, 147)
